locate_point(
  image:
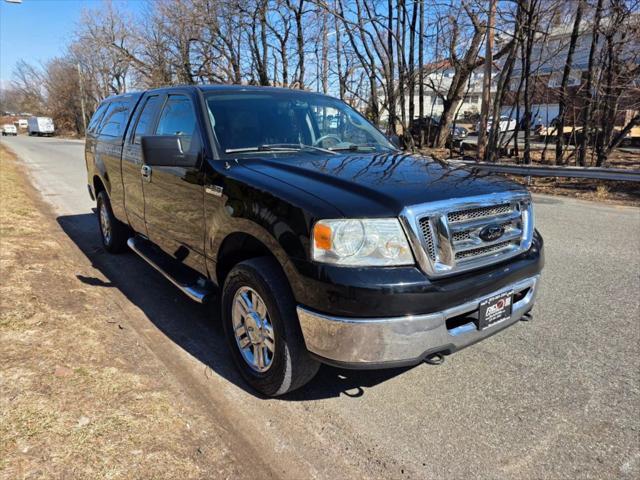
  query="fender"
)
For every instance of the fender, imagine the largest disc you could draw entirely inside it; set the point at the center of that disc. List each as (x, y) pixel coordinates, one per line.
(284, 237)
(261, 207)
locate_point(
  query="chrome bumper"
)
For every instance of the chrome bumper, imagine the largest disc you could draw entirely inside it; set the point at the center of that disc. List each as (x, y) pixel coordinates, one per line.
(403, 340)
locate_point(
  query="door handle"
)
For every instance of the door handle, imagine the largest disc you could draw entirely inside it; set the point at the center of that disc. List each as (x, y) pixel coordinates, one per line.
(145, 171)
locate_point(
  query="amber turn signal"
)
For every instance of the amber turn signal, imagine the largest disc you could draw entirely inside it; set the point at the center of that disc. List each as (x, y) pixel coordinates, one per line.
(322, 236)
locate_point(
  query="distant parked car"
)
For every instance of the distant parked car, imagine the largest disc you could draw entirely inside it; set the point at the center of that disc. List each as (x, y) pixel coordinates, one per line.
(23, 123)
(9, 129)
(40, 126)
(459, 132)
(505, 124)
(430, 125)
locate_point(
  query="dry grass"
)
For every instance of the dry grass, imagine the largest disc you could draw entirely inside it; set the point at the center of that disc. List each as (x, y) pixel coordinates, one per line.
(79, 396)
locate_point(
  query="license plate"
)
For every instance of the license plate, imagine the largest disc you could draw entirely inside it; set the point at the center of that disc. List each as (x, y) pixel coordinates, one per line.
(495, 309)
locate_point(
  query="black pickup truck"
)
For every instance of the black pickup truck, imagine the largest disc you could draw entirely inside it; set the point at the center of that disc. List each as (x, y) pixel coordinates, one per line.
(322, 241)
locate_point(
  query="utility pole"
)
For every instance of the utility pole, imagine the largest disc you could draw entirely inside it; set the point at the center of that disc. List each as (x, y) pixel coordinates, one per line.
(486, 83)
(84, 116)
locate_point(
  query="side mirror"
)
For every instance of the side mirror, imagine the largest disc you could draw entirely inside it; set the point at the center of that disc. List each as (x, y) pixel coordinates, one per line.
(168, 151)
(395, 140)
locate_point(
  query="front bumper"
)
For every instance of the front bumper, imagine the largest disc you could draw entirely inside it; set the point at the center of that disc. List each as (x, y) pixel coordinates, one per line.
(406, 340)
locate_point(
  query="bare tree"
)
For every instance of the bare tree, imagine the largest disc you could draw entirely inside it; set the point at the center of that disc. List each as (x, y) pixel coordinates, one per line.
(565, 80)
(28, 83)
(588, 100)
(377, 55)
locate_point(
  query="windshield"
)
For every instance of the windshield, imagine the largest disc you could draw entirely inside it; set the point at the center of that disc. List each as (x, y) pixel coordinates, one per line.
(277, 122)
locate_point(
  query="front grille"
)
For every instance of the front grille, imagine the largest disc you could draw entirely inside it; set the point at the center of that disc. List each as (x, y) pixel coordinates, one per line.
(464, 235)
(461, 236)
(482, 250)
(451, 235)
(427, 236)
(472, 213)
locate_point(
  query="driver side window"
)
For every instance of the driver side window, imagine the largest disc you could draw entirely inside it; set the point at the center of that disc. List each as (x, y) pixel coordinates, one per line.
(178, 118)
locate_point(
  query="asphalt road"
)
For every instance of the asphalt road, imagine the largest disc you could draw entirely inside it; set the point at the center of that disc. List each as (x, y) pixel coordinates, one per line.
(556, 397)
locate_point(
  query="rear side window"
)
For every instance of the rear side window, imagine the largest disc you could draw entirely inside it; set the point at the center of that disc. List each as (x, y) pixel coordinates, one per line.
(95, 120)
(115, 119)
(145, 121)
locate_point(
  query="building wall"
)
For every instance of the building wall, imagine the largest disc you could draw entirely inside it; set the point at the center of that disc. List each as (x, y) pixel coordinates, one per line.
(433, 105)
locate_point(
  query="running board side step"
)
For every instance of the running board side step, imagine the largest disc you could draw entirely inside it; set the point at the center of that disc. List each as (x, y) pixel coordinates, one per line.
(194, 286)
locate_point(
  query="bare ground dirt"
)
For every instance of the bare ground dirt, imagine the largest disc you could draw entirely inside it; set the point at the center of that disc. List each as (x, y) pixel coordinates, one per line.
(80, 394)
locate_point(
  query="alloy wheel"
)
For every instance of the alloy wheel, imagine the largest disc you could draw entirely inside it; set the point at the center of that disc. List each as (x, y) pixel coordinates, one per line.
(105, 223)
(253, 329)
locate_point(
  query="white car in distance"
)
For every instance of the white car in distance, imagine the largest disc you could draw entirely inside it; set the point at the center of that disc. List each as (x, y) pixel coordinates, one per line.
(9, 129)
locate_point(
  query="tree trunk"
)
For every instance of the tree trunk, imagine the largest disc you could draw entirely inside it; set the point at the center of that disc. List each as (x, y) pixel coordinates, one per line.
(565, 80)
(486, 84)
(325, 55)
(421, 70)
(495, 138)
(391, 95)
(531, 23)
(342, 84)
(588, 101)
(300, 43)
(412, 68)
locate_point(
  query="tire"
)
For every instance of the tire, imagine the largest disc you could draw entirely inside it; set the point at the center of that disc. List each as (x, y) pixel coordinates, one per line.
(113, 232)
(291, 365)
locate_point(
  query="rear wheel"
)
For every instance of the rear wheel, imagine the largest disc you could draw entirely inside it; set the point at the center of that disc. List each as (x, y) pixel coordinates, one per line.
(113, 232)
(262, 329)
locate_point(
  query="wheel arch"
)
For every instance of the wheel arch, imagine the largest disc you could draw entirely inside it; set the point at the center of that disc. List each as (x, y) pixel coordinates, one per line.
(98, 186)
(239, 246)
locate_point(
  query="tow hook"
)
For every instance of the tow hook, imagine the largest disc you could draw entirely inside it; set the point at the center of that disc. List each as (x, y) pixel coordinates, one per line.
(527, 317)
(434, 359)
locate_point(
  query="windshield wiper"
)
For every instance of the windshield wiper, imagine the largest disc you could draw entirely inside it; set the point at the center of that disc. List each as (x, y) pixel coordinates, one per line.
(279, 147)
(259, 148)
(353, 148)
(299, 146)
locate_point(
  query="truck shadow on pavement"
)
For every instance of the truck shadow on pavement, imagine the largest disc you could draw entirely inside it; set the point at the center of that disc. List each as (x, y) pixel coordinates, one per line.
(193, 327)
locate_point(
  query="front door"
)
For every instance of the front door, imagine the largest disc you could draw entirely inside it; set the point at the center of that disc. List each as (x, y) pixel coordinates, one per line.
(132, 161)
(174, 195)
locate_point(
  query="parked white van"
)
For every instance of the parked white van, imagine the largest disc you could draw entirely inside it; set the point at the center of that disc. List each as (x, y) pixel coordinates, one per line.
(40, 126)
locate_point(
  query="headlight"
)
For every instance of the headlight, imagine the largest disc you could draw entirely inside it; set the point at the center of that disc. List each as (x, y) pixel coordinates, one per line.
(367, 242)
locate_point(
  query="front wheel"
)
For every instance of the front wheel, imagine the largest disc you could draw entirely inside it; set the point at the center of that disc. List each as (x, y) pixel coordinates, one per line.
(262, 329)
(113, 232)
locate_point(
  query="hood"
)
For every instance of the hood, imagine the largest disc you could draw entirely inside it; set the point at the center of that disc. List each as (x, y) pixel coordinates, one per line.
(378, 185)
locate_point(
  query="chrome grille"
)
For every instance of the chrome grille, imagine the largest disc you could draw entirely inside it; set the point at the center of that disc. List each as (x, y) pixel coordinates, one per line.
(478, 213)
(481, 250)
(425, 228)
(460, 236)
(448, 233)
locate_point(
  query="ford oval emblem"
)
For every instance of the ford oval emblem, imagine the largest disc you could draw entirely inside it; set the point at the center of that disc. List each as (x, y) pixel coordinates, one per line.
(491, 232)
